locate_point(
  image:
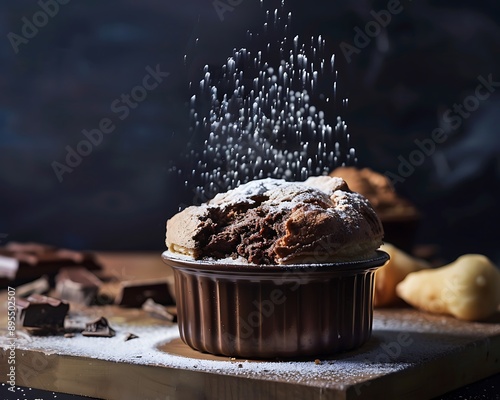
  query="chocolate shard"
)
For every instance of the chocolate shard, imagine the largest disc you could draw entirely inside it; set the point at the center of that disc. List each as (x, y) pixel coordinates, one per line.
(77, 285)
(24, 262)
(130, 336)
(158, 311)
(42, 312)
(98, 328)
(135, 293)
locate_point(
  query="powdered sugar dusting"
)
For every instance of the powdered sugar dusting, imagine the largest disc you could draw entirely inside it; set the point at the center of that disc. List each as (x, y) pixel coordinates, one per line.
(276, 190)
(244, 193)
(271, 112)
(145, 351)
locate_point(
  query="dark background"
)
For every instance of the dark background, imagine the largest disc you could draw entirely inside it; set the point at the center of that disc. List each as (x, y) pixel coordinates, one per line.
(65, 78)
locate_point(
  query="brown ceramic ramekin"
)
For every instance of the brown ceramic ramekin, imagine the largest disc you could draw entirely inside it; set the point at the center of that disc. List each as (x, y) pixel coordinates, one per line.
(273, 311)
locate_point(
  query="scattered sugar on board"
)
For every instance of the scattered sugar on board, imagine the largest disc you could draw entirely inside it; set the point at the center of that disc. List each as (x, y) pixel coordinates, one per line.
(144, 350)
(426, 337)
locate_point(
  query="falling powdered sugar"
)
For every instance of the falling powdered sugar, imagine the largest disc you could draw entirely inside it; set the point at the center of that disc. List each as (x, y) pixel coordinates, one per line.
(265, 112)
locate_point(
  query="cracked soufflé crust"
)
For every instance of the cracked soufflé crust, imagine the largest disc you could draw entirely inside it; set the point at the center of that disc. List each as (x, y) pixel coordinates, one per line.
(272, 221)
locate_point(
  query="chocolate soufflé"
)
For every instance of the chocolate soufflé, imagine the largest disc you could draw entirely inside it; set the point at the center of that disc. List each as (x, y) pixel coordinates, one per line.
(272, 221)
(276, 269)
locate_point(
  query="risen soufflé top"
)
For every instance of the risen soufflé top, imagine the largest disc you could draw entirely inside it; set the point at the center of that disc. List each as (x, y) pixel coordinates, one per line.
(271, 221)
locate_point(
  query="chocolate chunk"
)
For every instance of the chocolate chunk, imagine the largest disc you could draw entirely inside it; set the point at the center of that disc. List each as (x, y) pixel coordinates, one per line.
(98, 328)
(158, 311)
(24, 262)
(77, 285)
(130, 336)
(135, 293)
(43, 312)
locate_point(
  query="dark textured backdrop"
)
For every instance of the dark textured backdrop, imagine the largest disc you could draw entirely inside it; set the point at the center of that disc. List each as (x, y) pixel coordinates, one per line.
(64, 77)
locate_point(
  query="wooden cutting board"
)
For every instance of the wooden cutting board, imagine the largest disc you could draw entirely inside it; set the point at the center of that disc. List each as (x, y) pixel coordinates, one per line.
(411, 355)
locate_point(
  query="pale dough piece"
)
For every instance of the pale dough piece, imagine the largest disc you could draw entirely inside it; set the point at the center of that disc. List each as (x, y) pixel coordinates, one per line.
(468, 288)
(393, 272)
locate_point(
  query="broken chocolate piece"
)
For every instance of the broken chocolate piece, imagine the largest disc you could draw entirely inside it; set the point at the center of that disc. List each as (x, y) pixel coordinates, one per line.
(77, 285)
(158, 311)
(24, 262)
(98, 328)
(130, 336)
(135, 293)
(43, 312)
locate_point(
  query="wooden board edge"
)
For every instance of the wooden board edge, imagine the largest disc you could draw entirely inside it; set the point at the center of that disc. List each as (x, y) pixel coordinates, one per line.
(473, 362)
(112, 380)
